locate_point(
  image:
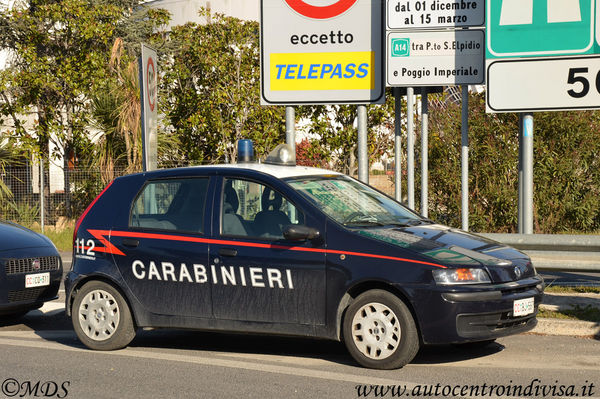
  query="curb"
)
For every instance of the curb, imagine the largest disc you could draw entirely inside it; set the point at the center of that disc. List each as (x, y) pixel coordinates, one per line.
(571, 328)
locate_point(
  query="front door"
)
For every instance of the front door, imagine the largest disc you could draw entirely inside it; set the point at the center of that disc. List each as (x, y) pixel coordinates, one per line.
(257, 275)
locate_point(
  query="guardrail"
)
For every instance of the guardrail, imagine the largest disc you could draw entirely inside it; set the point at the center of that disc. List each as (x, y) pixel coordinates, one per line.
(556, 251)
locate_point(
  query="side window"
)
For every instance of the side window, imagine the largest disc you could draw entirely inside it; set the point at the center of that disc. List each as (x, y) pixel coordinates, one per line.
(176, 204)
(250, 209)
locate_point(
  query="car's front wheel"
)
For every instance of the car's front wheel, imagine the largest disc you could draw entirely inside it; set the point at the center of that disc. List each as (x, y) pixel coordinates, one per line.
(101, 317)
(379, 331)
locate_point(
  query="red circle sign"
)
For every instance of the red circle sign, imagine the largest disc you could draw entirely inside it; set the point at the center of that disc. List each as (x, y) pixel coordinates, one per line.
(151, 83)
(320, 12)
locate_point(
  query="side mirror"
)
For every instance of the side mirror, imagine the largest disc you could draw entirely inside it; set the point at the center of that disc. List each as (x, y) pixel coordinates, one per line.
(300, 233)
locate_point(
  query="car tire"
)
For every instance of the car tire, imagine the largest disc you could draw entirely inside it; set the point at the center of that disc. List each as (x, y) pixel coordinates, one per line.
(101, 317)
(379, 331)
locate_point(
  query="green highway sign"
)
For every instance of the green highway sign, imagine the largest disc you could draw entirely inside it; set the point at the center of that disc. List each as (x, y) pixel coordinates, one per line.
(400, 47)
(533, 28)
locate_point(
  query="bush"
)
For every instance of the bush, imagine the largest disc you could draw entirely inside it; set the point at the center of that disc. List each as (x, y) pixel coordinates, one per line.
(566, 169)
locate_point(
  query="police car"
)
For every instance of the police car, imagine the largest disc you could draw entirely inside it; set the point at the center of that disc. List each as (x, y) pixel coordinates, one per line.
(277, 248)
(30, 272)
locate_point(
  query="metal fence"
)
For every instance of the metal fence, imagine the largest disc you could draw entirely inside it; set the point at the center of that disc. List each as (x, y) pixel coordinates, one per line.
(35, 198)
(26, 206)
(548, 251)
(556, 251)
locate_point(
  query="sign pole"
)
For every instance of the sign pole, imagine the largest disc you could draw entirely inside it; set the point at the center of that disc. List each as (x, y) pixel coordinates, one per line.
(465, 159)
(42, 204)
(363, 158)
(398, 143)
(520, 210)
(424, 152)
(528, 173)
(290, 127)
(410, 145)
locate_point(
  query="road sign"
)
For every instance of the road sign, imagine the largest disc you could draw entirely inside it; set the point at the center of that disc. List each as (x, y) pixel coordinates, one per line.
(410, 14)
(528, 28)
(149, 97)
(330, 53)
(434, 58)
(522, 35)
(566, 83)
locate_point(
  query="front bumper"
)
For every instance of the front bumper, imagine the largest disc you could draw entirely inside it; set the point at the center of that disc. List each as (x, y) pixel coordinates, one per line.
(474, 313)
(15, 297)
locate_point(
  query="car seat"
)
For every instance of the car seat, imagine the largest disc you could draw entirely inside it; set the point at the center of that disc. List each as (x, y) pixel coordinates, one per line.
(232, 223)
(269, 222)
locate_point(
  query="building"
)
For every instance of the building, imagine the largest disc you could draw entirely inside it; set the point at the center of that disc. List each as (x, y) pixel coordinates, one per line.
(183, 11)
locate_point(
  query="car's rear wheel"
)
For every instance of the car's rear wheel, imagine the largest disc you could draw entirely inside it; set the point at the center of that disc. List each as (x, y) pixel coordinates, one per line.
(379, 331)
(101, 317)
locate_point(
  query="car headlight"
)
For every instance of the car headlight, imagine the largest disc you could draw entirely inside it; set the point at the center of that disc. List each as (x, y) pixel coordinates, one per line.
(461, 276)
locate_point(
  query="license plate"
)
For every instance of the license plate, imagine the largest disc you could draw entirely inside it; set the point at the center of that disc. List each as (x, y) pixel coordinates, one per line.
(523, 307)
(37, 280)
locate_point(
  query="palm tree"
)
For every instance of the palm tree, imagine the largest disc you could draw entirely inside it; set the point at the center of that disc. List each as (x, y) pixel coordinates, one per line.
(129, 112)
(7, 158)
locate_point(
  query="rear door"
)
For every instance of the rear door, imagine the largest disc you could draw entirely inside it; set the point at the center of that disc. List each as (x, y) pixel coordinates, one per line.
(257, 275)
(164, 250)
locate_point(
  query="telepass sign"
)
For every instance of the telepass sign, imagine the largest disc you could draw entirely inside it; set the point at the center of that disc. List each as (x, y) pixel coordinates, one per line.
(321, 51)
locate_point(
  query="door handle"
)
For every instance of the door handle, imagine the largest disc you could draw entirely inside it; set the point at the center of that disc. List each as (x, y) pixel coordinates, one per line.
(130, 242)
(227, 252)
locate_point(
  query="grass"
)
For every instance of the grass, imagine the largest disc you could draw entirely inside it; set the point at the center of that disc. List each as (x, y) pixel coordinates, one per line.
(572, 290)
(63, 238)
(583, 313)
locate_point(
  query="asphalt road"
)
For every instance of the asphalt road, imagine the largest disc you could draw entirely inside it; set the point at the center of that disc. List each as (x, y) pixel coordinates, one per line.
(41, 347)
(162, 364)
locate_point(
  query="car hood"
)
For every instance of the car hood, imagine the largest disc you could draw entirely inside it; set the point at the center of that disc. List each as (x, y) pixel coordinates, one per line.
(456, 248)
(13, 236)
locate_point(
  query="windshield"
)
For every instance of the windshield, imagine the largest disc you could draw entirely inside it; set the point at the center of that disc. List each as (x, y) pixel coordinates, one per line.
(352, 203)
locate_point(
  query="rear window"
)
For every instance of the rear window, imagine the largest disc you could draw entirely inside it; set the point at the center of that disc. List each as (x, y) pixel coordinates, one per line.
(175, 204)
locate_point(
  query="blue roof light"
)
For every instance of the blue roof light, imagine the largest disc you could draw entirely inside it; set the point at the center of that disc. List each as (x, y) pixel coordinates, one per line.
(245, 151)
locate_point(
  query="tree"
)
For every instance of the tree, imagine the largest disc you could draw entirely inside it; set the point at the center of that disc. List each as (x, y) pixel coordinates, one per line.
(7, 157)
(335, 127)
(566, 169)
(211, 89)
(308, 154)
(60, 52)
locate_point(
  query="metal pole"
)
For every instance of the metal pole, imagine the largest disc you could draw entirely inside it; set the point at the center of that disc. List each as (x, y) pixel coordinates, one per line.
(528, 173)
(424, 152)
(398, 143)
(290, 127)
(143, 115)
(363, 156)
(465, 159)
(520, 194)
(42, 221)
(410, 145)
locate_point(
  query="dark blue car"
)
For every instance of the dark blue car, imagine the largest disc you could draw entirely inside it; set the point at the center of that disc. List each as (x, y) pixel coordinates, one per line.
(276, 248)
(30, 270)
